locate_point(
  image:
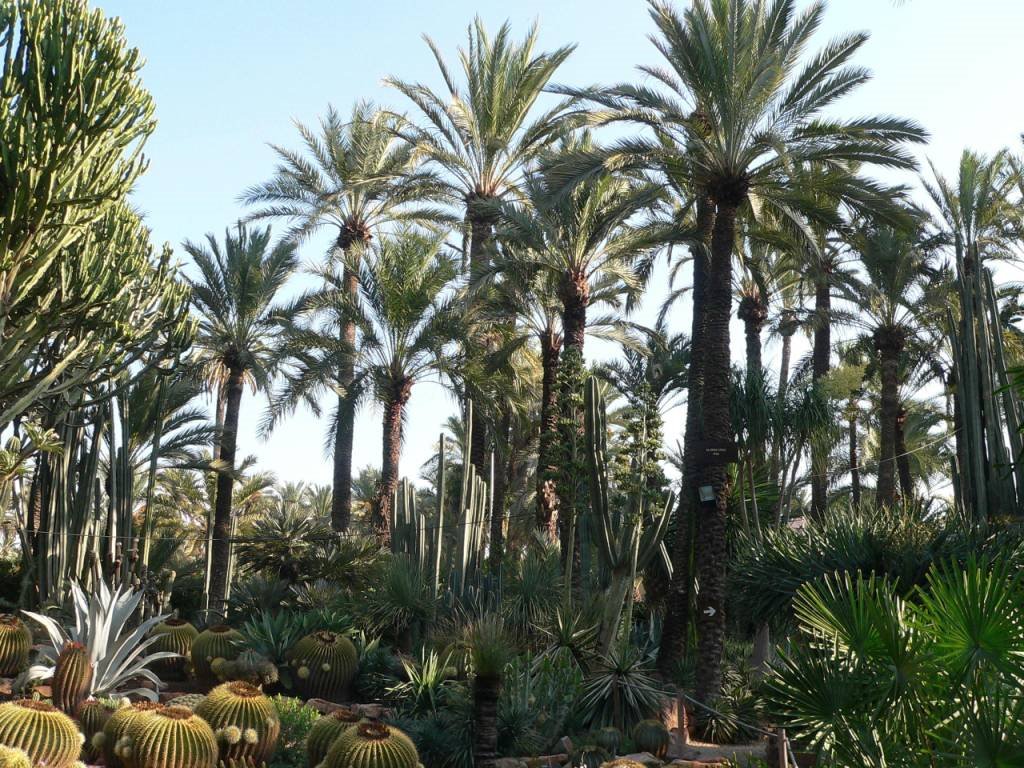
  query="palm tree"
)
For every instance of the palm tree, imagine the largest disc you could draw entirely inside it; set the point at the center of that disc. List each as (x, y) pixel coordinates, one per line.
(484, 132)
(407, 324)
(352, 178)
(235, 298)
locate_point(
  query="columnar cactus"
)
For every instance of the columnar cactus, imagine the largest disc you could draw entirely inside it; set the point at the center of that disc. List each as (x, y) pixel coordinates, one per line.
(173, 636)
(243, 720)
(92, 716)
(15, 644)
(325, 731)
(45, 734)
(217, 642)
(72, 677)
(114, 735)
(325, 664)
(171, 737)
(11, 757)
(189, 700)
(372, 745)
(651, 736)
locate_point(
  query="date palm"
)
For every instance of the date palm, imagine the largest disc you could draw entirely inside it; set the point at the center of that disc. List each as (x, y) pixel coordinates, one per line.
(351, 178)
(235, 297)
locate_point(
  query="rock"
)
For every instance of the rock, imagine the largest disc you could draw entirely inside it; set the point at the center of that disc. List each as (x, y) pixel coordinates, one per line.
(565, 745)
(369, 711)
(547, 761)
(676, 746)
(509, 762)
(646, 759)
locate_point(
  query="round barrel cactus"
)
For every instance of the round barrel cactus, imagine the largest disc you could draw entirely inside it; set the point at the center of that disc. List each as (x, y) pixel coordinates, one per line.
(92, 716)
(325, 664)
(250, 666)
(190, 700)
(11, 757)
(326, 730)
(622, 762)
(15, 645)
(114, 735)
(173, 636)
(171, 737)
(45, 734)
(609, 738)
(651, 736)
(72, 677)
(243, 720)
(372, 744)
(217, 642)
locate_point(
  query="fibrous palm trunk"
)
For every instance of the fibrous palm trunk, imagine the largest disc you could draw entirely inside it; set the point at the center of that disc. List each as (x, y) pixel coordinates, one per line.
(397, 397)
(221, 538)
(547, 494)
(502, 470)
(820, 363)
(344, 434)
(903, 457)
(889, 347)
(854, 457)
(575, 295)
(485, 721)
(481, 242)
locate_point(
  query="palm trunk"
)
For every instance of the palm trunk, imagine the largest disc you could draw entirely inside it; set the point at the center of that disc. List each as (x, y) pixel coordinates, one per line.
(902, 457)
(710, 541)
(398, 396)
(341, 496)
(854, 458)
(575, 295)
(502, 470)
(485, 721)
(677, 605)
(820, 364)
(753, 313)
(547, 493)
(888, 346)
(481, 244)
(221, 540)
(218, 421)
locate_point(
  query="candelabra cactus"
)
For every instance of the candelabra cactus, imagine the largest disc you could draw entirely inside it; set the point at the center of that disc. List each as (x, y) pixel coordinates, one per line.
(172, 737)
(72, 677)
(651, 736)
(325, 664)
(114, 734)
(373, 745)
(250, 666)
(44, 733)
(173, 636)
(11, 757)
(243, 720)
(92, 716)
(15, 644)
(217, 642)
(325, 731)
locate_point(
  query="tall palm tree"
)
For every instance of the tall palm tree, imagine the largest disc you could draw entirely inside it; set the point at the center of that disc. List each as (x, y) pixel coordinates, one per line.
(483, 132)
(405, 315)
(235, 297)
(351, 178)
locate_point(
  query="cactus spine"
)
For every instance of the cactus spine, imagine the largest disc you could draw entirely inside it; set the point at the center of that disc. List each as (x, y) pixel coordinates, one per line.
(15, 644)
(243, 720)
(217, 642)
(92, 716)
(651, 736)
(325, 731)
(325, 664)
(72, 677)
(171, 737)
(46, 735)
(111, 739)
(173, 636)
(372, 744)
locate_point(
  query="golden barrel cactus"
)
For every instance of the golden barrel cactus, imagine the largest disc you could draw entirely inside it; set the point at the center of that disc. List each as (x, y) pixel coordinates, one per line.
(11, 757)
(171, 737)
(190, 700)
(372, 745)
(325, 731)
(173, 636)
(110, 739)
(44, 733)
(651, 736)
(216, 642)
(72, 677)
(243, 720)
(325, 664)
(92, 716)
(15, 645)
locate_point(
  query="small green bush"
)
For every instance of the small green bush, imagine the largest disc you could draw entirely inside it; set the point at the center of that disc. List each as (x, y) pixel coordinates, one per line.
(296, 720)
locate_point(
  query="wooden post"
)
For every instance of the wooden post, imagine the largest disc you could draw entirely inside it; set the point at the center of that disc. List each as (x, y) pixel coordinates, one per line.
(783, 748)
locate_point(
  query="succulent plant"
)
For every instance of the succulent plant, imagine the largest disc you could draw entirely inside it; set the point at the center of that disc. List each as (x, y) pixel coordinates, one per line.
(216, 642)
(174, 636)
(250, 666)
(651, 736)
(47, 735)
(609, 738)
(590, 756)
(15, 644)
(244, 721)
(325, 664)
(92, 715)
(72, 677)
(116, 729)
(12, 757)
(326, 730)
(622, 762)
(190, 700)
(171, 737)
(372, 744)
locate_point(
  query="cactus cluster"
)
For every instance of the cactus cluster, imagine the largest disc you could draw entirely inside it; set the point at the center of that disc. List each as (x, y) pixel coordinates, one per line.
(189, 700)
(114, 736)
(250, 666)
(325, 664)
(15, 644)
(372, 744)
(173, 636)
(651, 736)
(72, 677)
(92, 716)
(12, 757)
(170, 737)
(217, 642)
(325, 731)
(45, 734)
(244, 721)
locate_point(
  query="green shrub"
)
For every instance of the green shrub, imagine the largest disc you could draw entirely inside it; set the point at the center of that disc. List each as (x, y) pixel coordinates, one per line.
(296, 720)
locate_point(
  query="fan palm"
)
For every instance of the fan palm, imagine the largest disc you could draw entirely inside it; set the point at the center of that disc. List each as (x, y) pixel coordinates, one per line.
(353, 178)
(234, 296)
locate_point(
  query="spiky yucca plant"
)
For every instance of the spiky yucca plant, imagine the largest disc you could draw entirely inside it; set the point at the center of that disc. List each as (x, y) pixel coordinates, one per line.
(92, 715)
(326, 730)
(46, 734)
(116, 729)
(172, 737)
(72, 678)
(325, 664)
(15, 644)
(174, 636)
(216, 642)
(651, 736)
(372, 744)
(244, 721)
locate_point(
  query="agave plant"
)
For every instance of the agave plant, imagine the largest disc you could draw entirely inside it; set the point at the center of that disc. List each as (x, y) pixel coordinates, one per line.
(116, 651)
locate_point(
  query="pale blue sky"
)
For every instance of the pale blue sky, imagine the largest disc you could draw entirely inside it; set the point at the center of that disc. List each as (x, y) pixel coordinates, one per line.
(228, 76)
